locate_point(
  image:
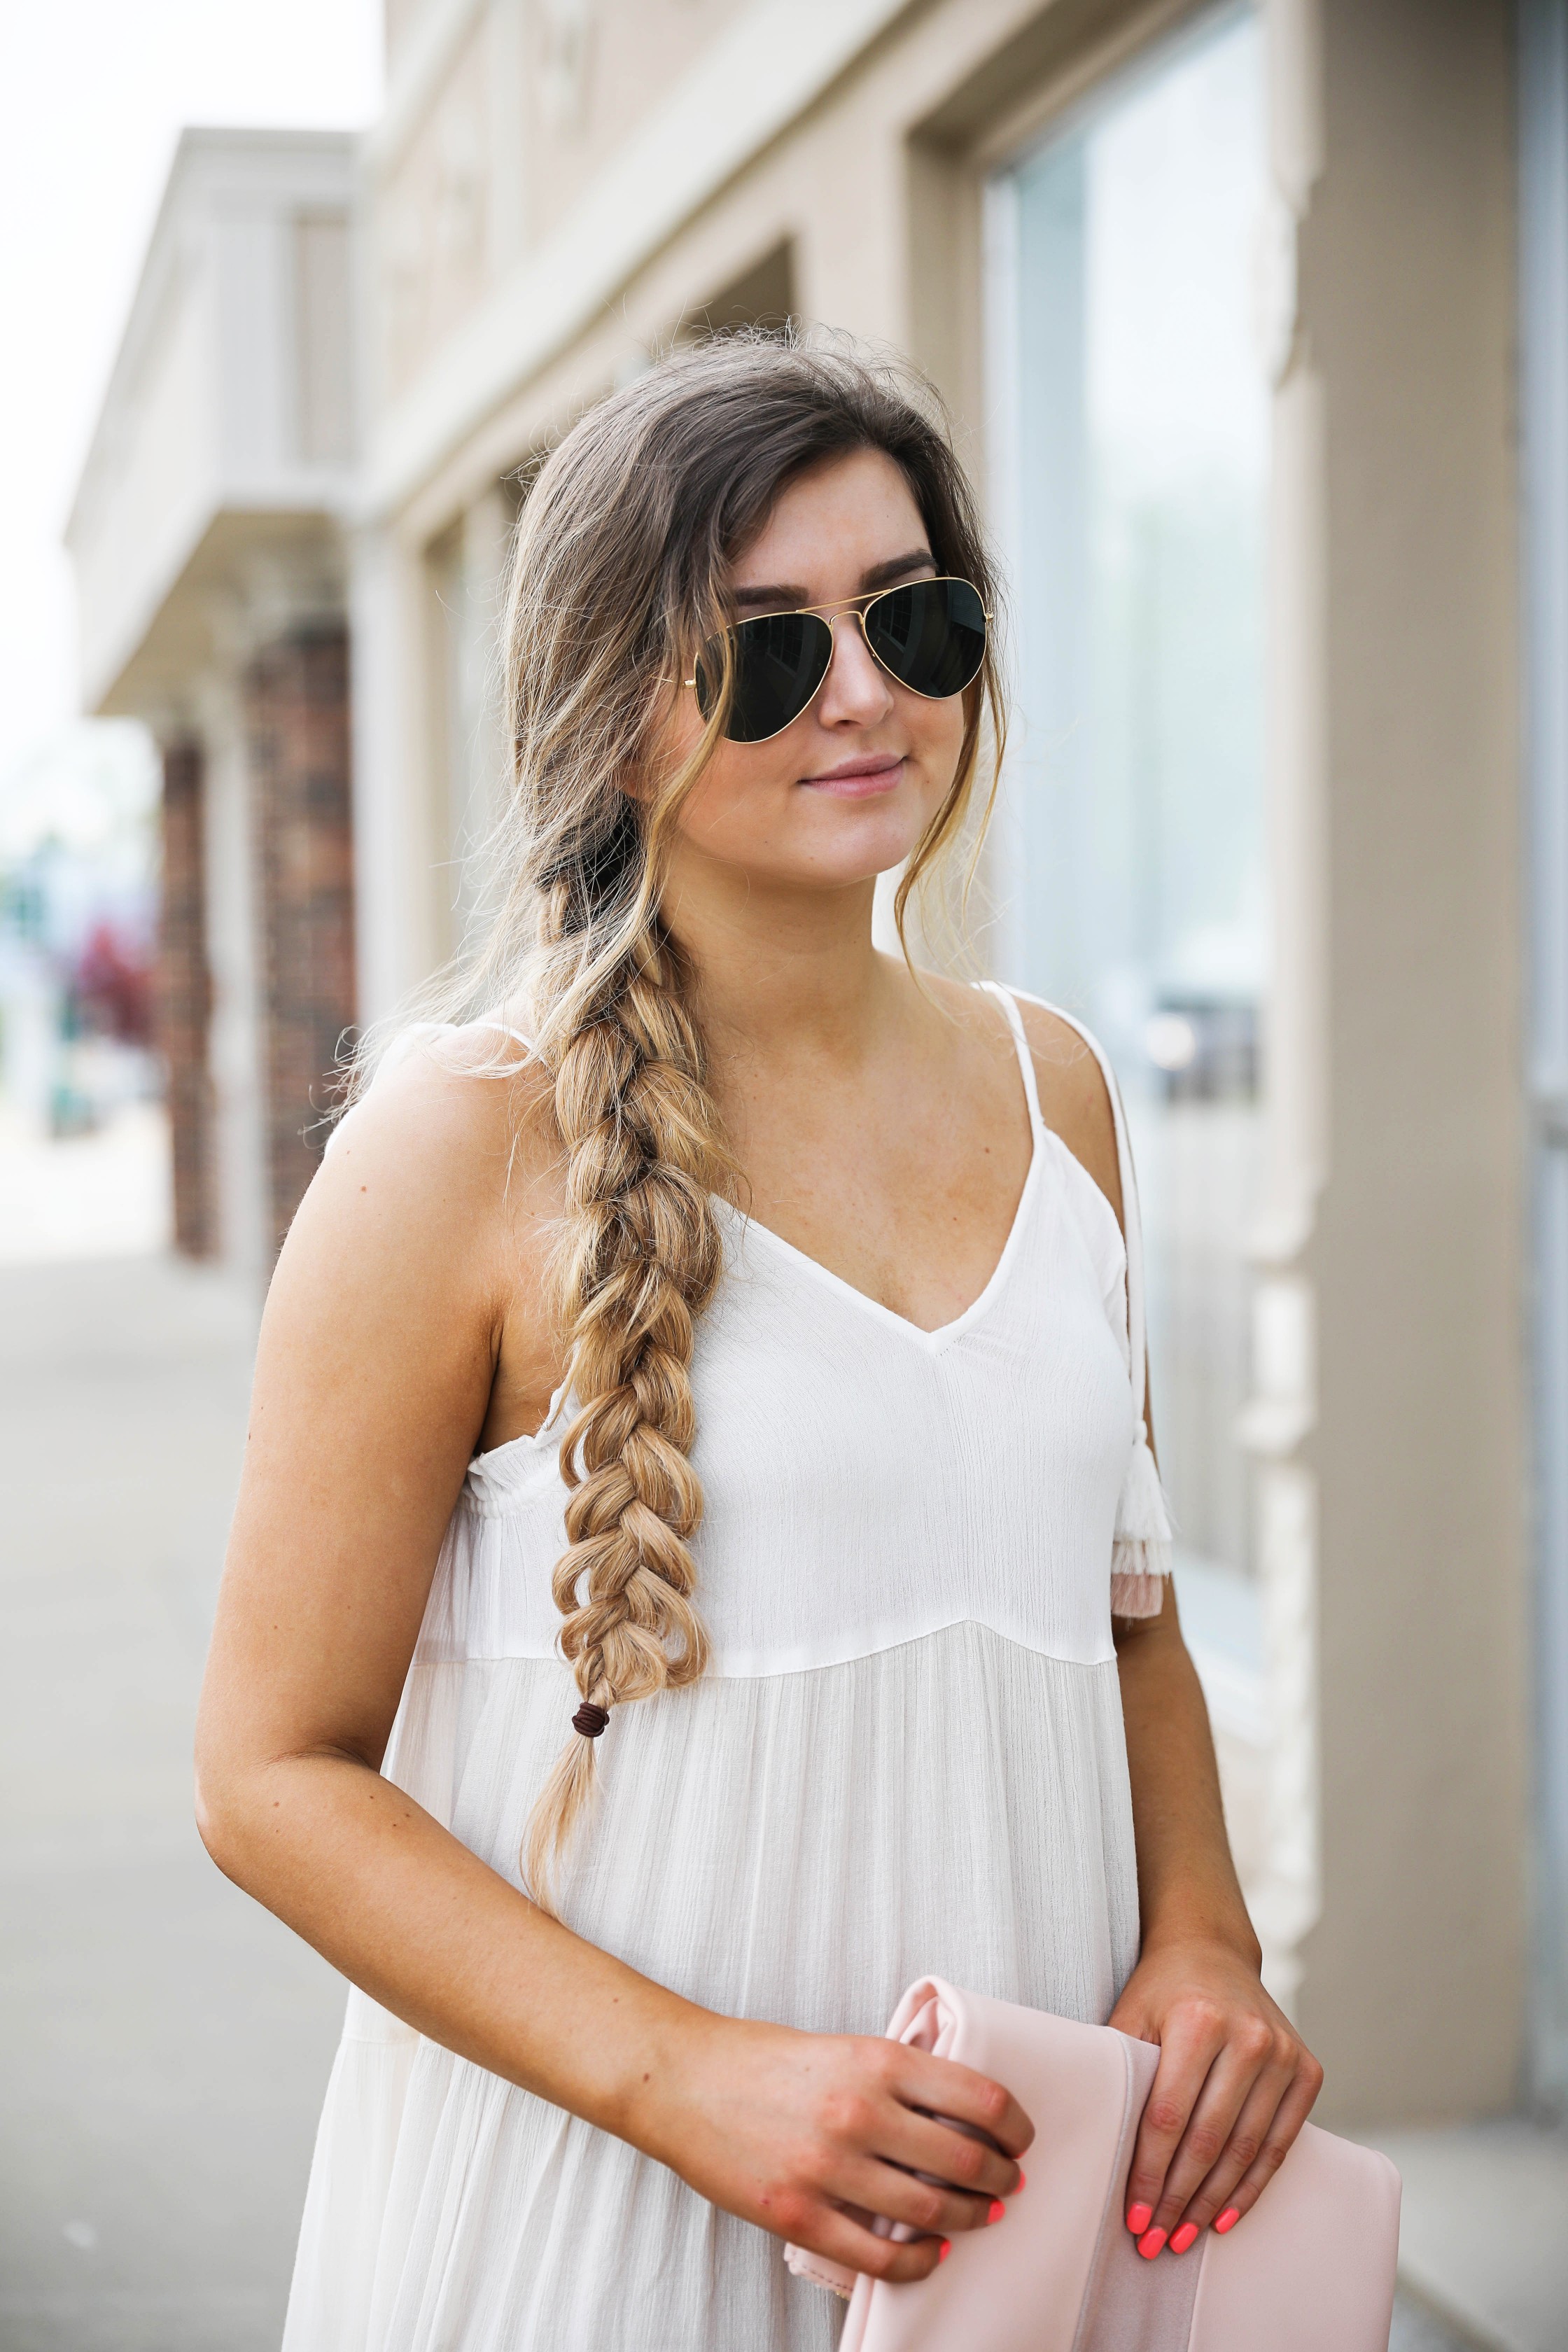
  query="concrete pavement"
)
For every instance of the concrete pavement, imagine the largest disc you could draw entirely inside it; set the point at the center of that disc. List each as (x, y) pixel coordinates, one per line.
(1485, 2232)
(163, 2042)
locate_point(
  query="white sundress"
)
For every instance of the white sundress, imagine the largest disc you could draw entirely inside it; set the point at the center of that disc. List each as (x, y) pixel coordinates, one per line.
(907, 1756)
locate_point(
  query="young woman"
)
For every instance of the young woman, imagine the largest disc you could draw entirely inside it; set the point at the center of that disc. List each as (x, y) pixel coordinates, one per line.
(719, 1353)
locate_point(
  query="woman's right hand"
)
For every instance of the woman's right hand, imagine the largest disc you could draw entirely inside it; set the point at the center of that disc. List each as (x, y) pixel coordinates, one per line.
(813, 2135)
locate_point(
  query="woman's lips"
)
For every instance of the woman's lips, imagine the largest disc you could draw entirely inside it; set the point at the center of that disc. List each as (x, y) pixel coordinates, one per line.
(858, 779)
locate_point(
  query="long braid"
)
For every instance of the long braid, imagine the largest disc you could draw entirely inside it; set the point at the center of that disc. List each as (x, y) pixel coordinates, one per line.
(640, 1258)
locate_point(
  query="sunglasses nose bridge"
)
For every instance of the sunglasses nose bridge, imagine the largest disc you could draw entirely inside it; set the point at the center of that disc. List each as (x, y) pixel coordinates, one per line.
(856, 615)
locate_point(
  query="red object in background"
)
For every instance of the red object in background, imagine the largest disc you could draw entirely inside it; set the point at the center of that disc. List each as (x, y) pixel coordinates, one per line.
(113, 985)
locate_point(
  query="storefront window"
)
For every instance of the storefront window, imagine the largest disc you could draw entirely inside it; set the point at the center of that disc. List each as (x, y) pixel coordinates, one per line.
(1128, 877)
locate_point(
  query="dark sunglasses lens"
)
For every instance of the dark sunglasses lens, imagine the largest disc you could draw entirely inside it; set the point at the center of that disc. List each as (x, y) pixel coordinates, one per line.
(780, 662)
(930, 635)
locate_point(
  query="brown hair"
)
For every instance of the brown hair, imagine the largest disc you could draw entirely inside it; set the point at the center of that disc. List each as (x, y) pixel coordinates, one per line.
(623, 555)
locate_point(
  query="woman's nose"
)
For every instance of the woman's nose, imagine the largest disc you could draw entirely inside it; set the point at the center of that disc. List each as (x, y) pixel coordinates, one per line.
(856, 691)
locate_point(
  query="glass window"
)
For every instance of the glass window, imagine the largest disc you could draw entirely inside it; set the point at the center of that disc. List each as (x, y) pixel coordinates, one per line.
(1128, 877)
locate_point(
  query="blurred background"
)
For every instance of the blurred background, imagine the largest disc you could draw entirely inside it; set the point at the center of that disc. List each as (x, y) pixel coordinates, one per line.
(1253, 322)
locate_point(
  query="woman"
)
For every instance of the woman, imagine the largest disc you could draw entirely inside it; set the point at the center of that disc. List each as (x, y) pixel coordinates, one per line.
(750, 1324)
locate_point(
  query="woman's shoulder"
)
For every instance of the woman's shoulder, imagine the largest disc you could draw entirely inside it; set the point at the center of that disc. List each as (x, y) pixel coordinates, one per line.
(1074, 1089)
(440, 1088)
(453, 1137)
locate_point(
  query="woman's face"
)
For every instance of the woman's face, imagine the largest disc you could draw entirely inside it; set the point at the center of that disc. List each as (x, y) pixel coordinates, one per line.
(848, 788)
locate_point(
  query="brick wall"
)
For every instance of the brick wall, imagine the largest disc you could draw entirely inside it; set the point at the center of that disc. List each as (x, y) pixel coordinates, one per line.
(297, 710)
(184, 1001)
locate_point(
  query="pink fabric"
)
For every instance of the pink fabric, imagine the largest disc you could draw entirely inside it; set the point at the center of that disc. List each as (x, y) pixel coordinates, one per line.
(1311, 2269)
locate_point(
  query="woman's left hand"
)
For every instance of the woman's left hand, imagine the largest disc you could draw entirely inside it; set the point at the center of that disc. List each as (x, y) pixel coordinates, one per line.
(1235, 2086)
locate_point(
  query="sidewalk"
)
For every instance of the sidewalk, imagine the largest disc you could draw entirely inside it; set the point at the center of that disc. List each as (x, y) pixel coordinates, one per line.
(100, 1195)
(1484, 2232)
(163, 2043)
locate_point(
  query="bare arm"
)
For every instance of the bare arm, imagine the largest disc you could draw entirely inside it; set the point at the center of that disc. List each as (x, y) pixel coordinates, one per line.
(1235, 2083)
(1185, 1874)
(409, 1298)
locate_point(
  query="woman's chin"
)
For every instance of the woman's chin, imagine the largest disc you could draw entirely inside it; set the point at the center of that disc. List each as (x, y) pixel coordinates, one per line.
(845, 872)
(857, 844)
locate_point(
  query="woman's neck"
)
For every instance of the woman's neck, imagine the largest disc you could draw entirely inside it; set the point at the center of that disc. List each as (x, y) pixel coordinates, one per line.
(782, 974)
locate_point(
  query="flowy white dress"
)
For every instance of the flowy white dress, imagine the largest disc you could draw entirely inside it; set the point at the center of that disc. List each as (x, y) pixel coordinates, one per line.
(906, 1758)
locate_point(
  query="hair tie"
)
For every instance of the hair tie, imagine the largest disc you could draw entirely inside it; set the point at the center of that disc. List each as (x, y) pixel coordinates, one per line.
(590, 1720)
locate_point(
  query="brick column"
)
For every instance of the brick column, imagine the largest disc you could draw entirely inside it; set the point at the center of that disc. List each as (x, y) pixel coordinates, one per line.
(184, 1001)
(297, 724)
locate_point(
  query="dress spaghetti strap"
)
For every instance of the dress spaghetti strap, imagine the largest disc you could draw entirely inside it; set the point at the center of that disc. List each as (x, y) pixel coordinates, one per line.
(1141, 1560)
(1008, 1002)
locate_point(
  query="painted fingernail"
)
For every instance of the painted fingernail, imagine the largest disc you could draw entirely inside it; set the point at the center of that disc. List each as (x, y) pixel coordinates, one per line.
(1022, 2179)
(998, 2210)
(944, 2251)
(1184, 2237)
(1150, 2244)
(1138, 2218)
(1229, 2219)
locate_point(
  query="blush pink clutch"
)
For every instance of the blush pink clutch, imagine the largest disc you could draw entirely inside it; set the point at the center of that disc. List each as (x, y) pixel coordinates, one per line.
(1311, 2269)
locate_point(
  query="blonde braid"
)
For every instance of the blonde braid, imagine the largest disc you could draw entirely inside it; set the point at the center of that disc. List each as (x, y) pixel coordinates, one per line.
(640, 1259)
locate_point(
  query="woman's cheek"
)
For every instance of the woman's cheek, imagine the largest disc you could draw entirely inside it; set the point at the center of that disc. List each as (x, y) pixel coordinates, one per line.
(738, 810)
(937, 746)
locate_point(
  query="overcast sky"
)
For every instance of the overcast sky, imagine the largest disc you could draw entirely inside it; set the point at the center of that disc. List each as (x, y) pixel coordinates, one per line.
(93, 94)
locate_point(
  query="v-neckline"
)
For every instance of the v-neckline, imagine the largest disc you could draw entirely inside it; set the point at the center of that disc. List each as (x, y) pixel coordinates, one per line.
(944, 1333)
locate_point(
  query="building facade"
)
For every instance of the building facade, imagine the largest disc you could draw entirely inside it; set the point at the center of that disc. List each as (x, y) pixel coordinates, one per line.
(209, 545)
(554, 192)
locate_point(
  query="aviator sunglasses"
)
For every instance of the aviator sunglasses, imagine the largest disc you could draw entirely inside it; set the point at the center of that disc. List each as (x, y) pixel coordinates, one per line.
(929, 636)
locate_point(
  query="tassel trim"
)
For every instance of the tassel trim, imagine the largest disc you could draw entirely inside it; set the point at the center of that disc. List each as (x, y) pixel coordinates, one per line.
(1140, 1555)
(1136, 1596)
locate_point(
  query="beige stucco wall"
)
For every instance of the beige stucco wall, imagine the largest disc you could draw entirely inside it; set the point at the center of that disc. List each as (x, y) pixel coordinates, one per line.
(1389, 1421)
(1413, 1979)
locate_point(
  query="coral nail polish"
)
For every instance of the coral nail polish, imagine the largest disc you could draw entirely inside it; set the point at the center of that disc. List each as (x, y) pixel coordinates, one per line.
(1184, 2237)
(998, 2210)
(1227, 2219)
(1150, 2244)
(946, 2249)
(1138, 2218)
(1022, 2179)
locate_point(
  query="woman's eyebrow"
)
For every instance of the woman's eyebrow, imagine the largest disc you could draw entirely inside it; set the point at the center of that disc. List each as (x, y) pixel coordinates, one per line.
(785, 597)
(880, 574)
(770, 599)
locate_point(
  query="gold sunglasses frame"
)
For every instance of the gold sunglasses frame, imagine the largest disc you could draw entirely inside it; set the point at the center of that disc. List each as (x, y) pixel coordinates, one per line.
(859, 606)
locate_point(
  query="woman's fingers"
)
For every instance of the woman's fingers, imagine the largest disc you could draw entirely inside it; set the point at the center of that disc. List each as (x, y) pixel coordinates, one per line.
(1194, 2037)
(941, 2086)
(929, 2206)
(866, 2187)
(928, 2143)
(1228, 2125)
(1254, 2154)
(844, 2238)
